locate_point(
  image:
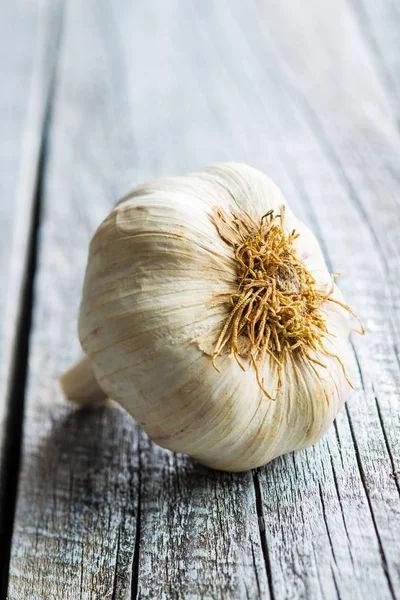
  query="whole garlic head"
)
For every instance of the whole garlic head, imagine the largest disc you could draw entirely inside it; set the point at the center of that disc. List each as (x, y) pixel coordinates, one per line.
(211, 322)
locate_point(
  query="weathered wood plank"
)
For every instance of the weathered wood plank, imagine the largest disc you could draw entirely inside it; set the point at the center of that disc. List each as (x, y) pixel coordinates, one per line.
(25, 65)
(17, 74)
(76, 518)
(379, 24)
(199, 531)
(86, 476)
(151, 88)
(311, 176)
(359, 196)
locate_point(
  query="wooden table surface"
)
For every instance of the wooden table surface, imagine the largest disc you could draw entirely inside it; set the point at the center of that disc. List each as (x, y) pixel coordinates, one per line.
(97, 96)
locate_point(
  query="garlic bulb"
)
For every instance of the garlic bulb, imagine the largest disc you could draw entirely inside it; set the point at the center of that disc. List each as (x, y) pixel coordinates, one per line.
(209, 314)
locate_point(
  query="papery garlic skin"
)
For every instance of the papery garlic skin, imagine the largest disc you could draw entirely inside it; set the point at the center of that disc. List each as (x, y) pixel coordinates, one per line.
(149, 316)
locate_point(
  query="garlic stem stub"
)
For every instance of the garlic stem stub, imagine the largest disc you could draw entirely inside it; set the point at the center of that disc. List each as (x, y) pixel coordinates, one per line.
(209, 314)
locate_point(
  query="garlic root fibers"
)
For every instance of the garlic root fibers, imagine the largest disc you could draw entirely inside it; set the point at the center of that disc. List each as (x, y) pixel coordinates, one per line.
(276, 309)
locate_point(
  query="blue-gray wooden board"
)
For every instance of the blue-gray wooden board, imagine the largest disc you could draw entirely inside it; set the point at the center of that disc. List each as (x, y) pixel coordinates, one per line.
(98, 96)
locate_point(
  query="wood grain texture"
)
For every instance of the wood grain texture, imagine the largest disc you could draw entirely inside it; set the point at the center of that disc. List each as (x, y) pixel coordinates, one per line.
(199, 531)
(84, 476)
(26, 69)
(17, 73)
(152, 88)
(354, 145)
(379, 24)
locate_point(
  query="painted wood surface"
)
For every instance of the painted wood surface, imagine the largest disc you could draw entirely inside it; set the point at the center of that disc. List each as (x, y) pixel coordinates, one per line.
(379, 24)
(153, 88)
(18, 73)
(26, 71)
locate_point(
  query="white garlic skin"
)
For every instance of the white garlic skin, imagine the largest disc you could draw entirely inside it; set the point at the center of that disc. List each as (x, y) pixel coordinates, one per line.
(155, 267)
